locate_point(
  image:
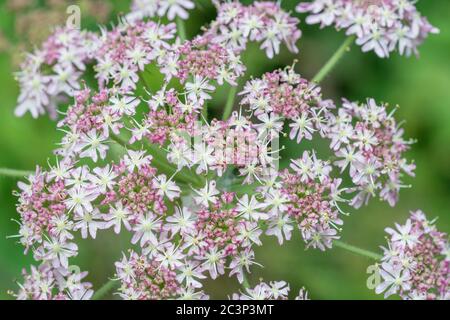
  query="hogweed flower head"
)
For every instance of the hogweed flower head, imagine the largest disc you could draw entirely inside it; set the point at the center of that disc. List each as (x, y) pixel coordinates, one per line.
(311, 201)
(52, 73)
(382, 26)
(180, 220)
(143, 279)
(48, 283)
(416, 263)
(369, 142)
(264, 22)
(197, 195)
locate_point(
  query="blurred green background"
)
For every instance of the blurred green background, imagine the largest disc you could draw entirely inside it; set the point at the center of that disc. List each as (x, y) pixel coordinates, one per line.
(420, 86)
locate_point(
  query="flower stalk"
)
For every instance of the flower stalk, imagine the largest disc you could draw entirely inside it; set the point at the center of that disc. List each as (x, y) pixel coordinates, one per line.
(6, 172)
(230, 103)
(245, 283)
(105, 289)
(356, 250)
(181, 29)
(335, 58)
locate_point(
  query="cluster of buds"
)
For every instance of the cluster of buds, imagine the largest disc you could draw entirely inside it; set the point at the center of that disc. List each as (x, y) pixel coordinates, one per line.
(381, 26)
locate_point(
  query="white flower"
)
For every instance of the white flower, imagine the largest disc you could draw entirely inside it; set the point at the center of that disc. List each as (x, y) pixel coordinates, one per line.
(79, 200)
(79, 177)
(280, 226)
(250, 209)
(169, 65)
(181, 221)
(60, 171)
(156, 35)
(65, 81)
(189, 273)
(89, 221)
(249, 233)
(207, 194)
(103, 179)
(303, 167)
(59, 252)
(181, 155)
(69, 56)
(302, 295)
(175, 8)
(92, 143)
(279, 289)
(158, 99)
(170, 257)
(271, 124)
(126, 75)
(124, 105)
(405, 236)
(136, 159)
(301, 127)
(166, 187)
(198, 90)
(213, 263)
(251, 172)
(395, 280)
(251, 25)
(33, 96)
(116, 217)
(145, 229)
(271, 43)
(138, 132)
(62, 227)
(374, 39)
(276, 201)
(242, 263)
(203, 157)
(260, 292)
(125, 270)
(139, 56)
(350, 157)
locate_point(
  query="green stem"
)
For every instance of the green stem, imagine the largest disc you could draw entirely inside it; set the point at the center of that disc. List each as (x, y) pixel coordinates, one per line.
(331, 63)
(241, 189)
(245, 283)
(199, 5)
(230, 103)
(144, 80)
(205, 112)
(14, 173)
(105, 289)
(181, 29)
(160, 161)
(359, 251)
